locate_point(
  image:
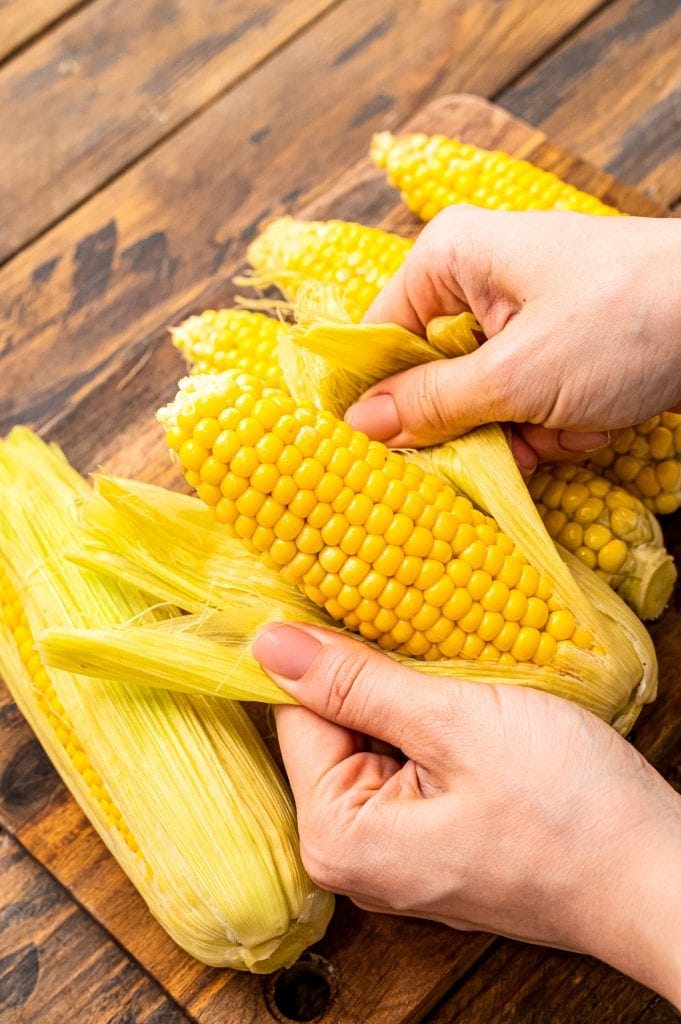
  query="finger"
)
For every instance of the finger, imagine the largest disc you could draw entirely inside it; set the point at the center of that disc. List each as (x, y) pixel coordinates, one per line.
(347, 682)
(314, 750)
(392, 305)
(310, 746)
(559, 445)
(327, 765)
(434, 402)
(427, 284)
(414, 295)
(523, 453)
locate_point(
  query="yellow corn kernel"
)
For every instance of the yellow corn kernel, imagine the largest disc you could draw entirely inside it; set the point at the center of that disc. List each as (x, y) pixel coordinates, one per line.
(609, 530)
(461, 568)
(433, 172)
(227, 339)
(355, 259)
(612, 556)
(546, 648)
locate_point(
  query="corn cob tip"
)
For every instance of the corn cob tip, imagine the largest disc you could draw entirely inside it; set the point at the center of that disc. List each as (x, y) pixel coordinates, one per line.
(380, 147)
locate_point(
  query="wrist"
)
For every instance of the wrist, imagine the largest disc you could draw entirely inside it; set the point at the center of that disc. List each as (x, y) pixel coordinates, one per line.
(638, 928)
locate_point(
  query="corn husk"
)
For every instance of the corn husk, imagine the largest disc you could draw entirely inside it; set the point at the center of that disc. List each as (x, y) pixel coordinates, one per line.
(612, 698)
(180, 788)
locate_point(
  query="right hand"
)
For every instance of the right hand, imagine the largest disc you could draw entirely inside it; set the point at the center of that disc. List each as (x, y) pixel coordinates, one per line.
(507, 810)
(582, 316)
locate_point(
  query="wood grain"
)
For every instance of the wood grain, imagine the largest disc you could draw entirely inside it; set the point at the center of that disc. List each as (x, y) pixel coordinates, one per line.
(520, 984)
(57, 965)
(632, 130)
(65, 844)
(21, 20)
(123, 264)
(87, 99)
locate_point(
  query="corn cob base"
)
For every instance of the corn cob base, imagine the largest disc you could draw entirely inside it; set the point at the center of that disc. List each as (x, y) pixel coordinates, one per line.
(610, 531)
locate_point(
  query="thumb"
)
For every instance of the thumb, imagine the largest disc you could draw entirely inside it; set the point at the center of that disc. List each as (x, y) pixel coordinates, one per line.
(355, 686)
(437, 401)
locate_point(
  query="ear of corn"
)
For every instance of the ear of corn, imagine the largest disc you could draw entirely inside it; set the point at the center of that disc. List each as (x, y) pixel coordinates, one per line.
(610, 531)
(646, 461)
(232, 339)
(356, 260)
(180, 789)
(433, 172)
(315, 357)
(388, 549)
(211, 653)
(633, 557)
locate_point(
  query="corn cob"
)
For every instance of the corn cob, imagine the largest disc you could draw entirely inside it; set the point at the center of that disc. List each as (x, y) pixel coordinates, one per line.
(392, 552)
(610, 531)
(226, 339)
(644, 575)
(180, 789)
(433, 172)
(174, 547)
(355, 259)
(646, 461)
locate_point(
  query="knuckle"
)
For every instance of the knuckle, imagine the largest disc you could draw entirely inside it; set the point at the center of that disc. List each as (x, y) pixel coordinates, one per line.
(317, 857)
(329, 854)
(345, 669)
(499, 381)
(428, 402)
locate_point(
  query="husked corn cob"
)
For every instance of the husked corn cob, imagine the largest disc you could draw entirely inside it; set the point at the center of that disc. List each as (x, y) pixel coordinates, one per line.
(433, 171)
(173, 547)
(355, 259)
(387, 549)
(646, 461)
(181, 789)
(232, 339)
(609, 530)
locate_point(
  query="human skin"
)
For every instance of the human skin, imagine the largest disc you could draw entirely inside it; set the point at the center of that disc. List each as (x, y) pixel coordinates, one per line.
(499, 807)
(506, 809)
(582, 316)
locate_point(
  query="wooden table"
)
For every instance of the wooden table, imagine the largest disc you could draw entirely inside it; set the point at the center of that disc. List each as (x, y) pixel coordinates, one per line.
(143, 144)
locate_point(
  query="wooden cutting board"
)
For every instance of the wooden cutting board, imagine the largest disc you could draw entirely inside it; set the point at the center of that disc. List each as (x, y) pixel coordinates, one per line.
(371, 969)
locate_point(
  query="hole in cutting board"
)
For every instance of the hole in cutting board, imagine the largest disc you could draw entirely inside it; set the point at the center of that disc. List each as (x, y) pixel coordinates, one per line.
(302, 992)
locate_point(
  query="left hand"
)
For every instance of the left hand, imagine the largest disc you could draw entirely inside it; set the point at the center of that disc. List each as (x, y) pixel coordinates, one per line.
(494, 807)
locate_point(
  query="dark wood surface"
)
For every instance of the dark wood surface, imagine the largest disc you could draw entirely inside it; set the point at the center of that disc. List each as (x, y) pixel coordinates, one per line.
(143, 144)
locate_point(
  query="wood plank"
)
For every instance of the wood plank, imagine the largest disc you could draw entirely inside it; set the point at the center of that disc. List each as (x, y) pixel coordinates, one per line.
(57, 965)
(70, 849)
(623, 68)
(89, 97)
(21, 20)
(28, 782)
(125, 262)
(519, 984)
(389, 970)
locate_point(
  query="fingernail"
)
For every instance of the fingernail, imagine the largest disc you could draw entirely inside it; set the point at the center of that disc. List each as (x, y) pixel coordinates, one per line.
(376, 416)
(285, 650)
(574, 441)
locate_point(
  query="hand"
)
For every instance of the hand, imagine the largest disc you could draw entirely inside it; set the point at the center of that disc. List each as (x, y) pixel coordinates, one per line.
(495, 807)
(583, 317)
